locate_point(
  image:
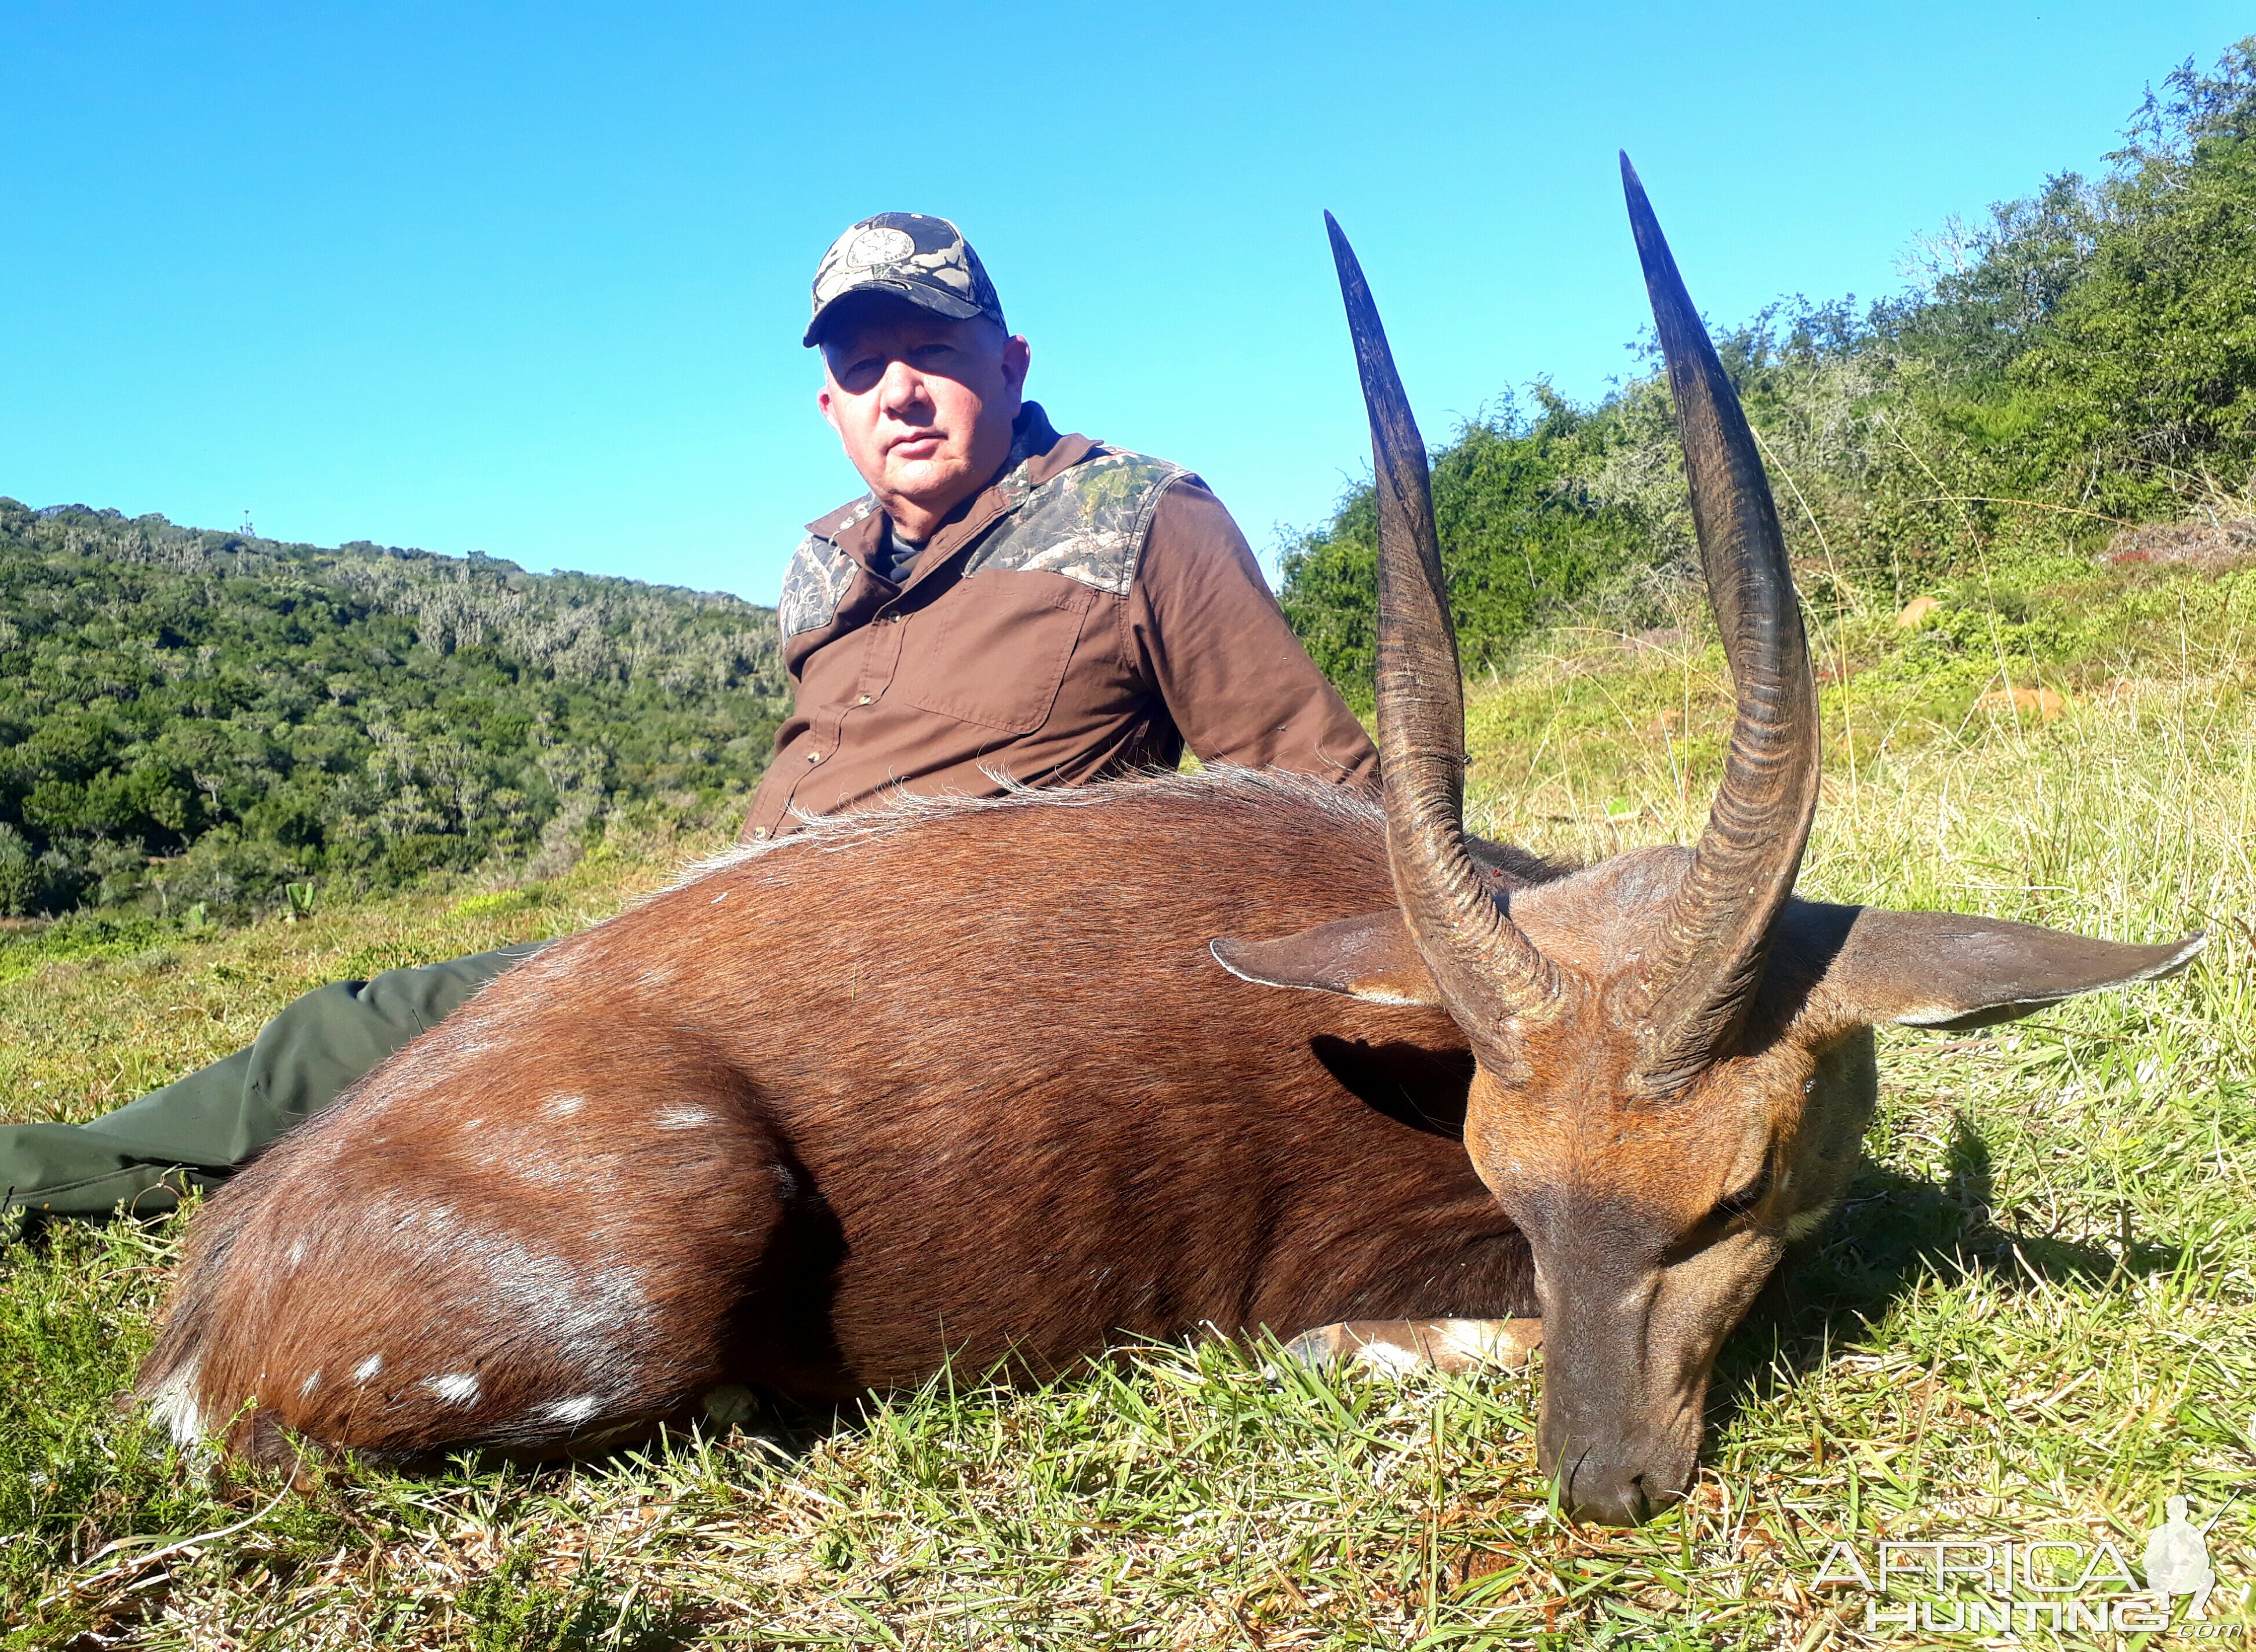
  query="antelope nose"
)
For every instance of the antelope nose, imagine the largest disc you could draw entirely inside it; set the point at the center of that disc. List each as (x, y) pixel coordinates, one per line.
(1609, 1493)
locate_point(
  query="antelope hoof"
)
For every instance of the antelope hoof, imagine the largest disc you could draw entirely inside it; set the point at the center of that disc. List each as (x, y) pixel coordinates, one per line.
(1410, 1345)
(730, 1405)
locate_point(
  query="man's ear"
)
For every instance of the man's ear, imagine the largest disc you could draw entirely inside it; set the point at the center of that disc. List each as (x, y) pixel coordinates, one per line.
(1372, 957)
(1944, 969)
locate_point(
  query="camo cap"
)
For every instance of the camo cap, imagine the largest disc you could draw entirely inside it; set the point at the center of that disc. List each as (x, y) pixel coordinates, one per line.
(924, 260)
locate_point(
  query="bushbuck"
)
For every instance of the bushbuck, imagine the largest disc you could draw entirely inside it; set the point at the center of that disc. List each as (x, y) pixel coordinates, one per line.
(1004, 1080)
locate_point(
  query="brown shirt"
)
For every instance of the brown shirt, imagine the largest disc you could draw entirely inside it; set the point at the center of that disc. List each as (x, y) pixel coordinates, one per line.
(1088, 615)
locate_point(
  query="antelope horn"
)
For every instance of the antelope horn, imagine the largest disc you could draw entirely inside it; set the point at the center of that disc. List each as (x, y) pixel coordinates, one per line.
(1483, 963)
(1693, 993)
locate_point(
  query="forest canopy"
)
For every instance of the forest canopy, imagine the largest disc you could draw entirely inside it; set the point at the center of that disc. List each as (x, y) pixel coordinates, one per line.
(2082, 361)
(192, 720)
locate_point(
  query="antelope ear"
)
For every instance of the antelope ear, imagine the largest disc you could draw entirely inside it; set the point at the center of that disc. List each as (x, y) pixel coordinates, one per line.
(1944, 969)
(1372, 957)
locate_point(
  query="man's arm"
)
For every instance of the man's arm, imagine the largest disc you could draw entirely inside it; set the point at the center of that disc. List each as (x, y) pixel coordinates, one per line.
(1211, 639)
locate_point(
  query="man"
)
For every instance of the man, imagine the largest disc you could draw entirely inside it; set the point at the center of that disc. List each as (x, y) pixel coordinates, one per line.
(1006, 606)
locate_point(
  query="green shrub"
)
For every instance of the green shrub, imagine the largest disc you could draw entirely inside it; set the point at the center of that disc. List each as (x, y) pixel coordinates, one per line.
(1520, 536)
(2084, 358)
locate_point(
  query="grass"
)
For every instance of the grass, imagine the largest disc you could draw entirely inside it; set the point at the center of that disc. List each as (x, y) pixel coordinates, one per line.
(2036, 1318)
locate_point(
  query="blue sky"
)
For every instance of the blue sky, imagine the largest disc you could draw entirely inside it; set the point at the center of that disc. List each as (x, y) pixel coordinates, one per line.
(530, 280)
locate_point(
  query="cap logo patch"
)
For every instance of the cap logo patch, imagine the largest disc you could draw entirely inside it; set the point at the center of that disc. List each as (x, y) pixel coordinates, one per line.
(880, 246)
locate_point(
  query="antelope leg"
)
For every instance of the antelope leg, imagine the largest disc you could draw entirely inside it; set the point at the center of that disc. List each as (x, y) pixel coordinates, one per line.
(1407, 1345)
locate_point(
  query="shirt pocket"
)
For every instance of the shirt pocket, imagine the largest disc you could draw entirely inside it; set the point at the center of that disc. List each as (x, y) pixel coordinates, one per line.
(994, 650)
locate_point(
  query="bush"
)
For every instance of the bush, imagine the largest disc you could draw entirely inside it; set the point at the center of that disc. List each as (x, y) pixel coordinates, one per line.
(2085, 358)
(1519, 535)
(19, 874)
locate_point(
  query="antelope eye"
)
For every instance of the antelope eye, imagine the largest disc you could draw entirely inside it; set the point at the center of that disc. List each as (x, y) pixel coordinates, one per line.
(1745, 1200)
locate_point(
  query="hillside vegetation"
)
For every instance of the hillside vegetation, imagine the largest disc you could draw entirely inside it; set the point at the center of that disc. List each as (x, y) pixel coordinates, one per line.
(2082, 363)
(196, 723)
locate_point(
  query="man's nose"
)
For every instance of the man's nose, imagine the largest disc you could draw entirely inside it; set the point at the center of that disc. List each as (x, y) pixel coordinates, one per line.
(901, 392)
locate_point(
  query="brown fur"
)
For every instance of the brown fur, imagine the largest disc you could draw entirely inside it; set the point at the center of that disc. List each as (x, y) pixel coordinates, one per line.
(960, 1080)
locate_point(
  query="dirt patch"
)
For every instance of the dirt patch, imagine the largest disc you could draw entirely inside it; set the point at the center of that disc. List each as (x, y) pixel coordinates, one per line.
(2210, 545)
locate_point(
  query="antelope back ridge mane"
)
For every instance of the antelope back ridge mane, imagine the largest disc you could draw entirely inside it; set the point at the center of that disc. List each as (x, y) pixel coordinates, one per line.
(1002, 1080)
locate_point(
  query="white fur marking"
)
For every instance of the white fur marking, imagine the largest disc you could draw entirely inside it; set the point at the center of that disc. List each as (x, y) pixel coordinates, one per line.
(296, 1252)
(306, 1387)
(563, 1106)
(682, 1118)
(174, 1406)
(586, 1312)
(368, 1368)
(577, 1409)
(456, 1389)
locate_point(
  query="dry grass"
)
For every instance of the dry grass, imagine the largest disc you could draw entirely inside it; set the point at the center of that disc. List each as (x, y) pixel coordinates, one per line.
(2036, 1318)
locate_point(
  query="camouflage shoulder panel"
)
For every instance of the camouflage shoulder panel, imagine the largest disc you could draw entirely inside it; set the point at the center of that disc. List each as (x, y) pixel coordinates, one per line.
(1087, 522)
(815, 582)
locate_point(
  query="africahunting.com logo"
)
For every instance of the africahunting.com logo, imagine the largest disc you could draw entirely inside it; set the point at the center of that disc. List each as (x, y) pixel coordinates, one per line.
(2004, 1589)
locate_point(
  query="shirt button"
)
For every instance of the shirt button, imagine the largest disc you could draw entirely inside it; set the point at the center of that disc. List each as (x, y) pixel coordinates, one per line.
(759, 831)
(863, 701)
(814, 756)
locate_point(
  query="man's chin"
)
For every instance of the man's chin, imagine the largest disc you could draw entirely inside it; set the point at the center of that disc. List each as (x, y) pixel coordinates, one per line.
(924, 481)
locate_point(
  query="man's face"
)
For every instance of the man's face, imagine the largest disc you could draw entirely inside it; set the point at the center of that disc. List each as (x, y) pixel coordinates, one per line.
(923, 405)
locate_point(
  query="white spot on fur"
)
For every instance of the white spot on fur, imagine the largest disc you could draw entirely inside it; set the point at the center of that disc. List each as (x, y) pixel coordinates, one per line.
(457, 1388)
(307, 1386)
(575, 1411)
(563, 1106)
(589, 1318)
(682, 1118)
(368, 1368)
(722, 897)
(296, 1252)
(174, 1405)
